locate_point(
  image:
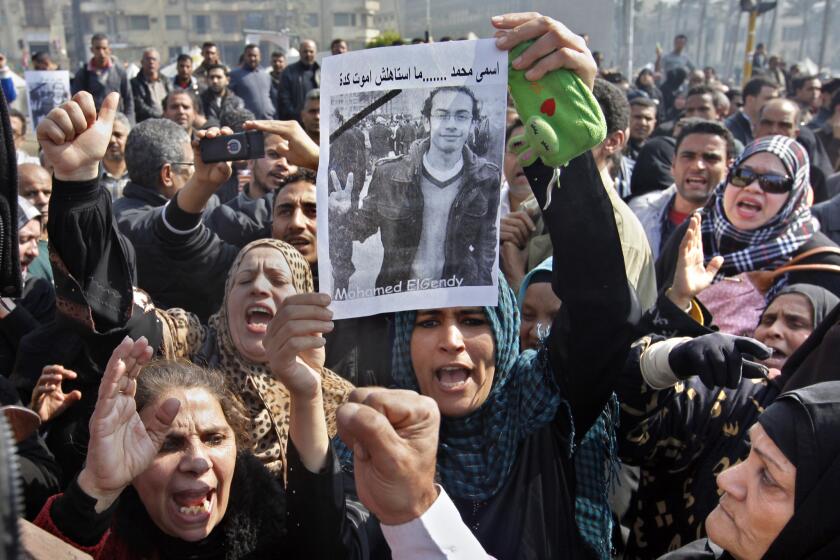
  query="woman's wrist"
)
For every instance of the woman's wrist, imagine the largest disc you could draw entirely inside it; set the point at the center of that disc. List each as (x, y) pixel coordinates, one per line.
(104, 498)
(680, 300)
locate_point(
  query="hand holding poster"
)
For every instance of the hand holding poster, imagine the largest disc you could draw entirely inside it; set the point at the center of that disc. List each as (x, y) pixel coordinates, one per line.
(410, 177)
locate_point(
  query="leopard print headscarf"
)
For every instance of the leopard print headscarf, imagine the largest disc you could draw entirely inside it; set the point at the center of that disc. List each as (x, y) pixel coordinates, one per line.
(266, 399)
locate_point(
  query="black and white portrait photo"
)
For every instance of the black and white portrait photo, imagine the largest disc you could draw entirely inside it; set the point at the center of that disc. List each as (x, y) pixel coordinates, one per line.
(46, 91)
(413, 182)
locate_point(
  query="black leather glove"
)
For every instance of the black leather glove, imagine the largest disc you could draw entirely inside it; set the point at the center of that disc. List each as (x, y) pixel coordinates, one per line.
(719, 360)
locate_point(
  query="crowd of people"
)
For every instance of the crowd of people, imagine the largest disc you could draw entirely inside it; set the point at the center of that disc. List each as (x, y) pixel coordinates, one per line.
(658, 379)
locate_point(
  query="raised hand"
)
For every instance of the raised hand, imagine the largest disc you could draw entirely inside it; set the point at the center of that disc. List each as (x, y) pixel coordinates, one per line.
(517, 228)
(74, 138)
(394, 437)
(340, 197)
(302, 150)
(294, 345)
(121, 446)
(692, 276)
(555, 46)
(210, 173)
(48, 398)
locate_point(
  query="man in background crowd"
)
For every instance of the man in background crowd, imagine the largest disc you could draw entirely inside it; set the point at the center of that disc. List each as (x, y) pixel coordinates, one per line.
(253, 84)
(217, 99)
(149, 88)
(114, 174)
(210, 56)
(183, 78)
(310, 116)
(297, 80)
(757, 92)
(104, 74)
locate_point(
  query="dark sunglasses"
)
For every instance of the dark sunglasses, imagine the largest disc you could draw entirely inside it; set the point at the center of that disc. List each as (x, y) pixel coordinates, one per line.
(769, 182)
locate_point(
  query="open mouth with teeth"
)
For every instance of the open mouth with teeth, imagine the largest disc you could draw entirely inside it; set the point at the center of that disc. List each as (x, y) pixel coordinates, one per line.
(748, 208)
(194, 505)
(696, 182)
(452, 378)
(298, 242)
(777, 359)
(257, 318)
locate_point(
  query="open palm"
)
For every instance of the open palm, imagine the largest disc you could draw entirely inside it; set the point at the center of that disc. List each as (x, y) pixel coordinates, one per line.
(48, 398)
(692, 275)
(121, 446)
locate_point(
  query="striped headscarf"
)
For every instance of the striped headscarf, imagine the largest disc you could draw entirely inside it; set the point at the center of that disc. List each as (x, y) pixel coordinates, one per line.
(477, 451)
(771, 245)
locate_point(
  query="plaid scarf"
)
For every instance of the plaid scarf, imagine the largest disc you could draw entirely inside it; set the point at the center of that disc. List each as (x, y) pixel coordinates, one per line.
(772, 244)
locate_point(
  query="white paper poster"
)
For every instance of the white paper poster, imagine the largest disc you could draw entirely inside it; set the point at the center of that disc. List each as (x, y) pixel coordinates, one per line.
(412, 142)
(46, 90)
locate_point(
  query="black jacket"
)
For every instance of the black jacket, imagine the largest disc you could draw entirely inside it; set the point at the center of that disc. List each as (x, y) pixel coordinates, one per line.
(36, 306)
(828, 213)
(395, 201)
(230, 102)
(144, 106)
(308, 519)
(740, 127)
(101, 85)
(293, 89)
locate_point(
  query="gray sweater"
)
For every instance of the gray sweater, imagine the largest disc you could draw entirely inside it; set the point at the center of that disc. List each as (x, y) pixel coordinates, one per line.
(254, 87)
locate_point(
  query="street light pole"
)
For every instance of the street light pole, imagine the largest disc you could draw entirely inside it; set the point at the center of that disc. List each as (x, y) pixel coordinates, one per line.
(428, 20)
(748, 55)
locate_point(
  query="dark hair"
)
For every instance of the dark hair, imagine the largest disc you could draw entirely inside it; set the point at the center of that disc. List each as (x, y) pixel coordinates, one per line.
(207, 45)
(14, 113)
(96, 37)
(162, 376)
(643, 101)
(427, 105)
(613, 104)
(703, 126)
(182, 57)
(337, 41)
(302, 175)
(800, 81)
(754, 86)
(278, 53)
(250, 46)
(732, 93)
(235, 118)
(701, 90)
(835, 102)
(40, 56)
(514, 125)
(222, 67)
(193, 97)
(681, 36)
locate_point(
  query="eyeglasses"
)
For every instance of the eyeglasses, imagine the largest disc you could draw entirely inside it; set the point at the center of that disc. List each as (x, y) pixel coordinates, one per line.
(769, 182)
(458, 117)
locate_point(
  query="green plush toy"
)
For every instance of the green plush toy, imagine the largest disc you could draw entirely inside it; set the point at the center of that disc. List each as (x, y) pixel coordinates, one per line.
(562, 118)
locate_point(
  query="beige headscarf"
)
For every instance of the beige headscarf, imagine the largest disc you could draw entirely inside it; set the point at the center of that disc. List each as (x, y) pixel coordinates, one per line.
(266, 399)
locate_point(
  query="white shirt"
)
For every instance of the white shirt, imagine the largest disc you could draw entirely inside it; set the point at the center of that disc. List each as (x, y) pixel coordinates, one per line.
(438, 534)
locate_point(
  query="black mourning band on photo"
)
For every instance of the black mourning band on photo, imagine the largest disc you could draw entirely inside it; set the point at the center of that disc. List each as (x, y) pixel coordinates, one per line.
(355, 119)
